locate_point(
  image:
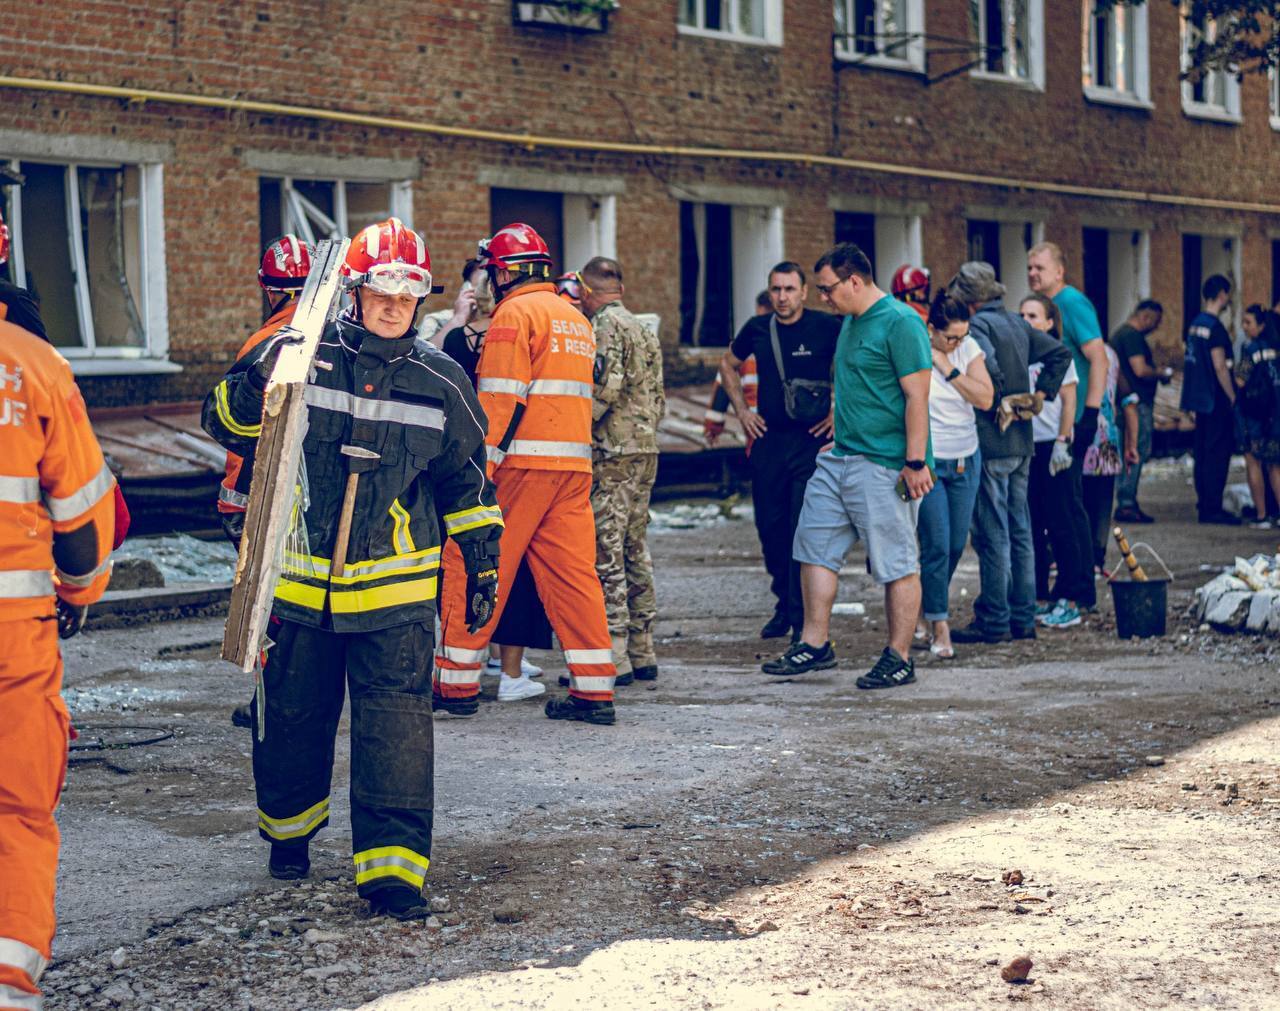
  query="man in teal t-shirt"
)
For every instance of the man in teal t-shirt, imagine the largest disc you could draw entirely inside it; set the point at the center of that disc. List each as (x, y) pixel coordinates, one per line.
(869, 486)
(1081, 332)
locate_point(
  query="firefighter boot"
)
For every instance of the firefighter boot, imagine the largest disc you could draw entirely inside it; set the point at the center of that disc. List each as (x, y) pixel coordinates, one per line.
(455, 707)
(289, 863)
(585, 710)
(400, 902)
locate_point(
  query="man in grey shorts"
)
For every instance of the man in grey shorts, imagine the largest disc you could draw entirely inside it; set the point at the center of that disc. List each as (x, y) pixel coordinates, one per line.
(869, 485)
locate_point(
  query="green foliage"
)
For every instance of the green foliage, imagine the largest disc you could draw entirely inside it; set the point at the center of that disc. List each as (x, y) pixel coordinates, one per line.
(1247, 38)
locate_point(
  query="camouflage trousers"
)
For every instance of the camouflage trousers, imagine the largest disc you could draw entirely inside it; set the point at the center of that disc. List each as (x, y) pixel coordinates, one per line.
(620, 501)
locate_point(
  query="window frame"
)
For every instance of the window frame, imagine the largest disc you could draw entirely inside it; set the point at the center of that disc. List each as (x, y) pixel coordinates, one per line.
(1227, 112)
(913, 60)
(1035, 50)
(771, 34)
(1273, 97)
(399, 204)
(1140, 95)
(152, 298)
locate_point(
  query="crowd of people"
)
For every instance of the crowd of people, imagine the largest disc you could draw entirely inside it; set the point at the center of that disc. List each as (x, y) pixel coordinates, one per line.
(920, 424)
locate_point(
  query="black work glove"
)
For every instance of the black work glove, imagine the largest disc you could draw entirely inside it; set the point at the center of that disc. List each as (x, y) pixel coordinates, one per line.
(233, 527)
(260, 371)
(70, 618)
(481, 559)
(1086, 429)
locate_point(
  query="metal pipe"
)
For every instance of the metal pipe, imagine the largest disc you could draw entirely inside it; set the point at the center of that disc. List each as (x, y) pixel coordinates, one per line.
(533, 141)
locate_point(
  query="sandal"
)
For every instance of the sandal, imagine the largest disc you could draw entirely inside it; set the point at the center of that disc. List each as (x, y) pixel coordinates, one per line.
(942, 652)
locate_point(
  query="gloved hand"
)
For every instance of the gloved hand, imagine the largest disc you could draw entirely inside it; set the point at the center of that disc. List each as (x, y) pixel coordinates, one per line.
(233, 527)
(1017, 407)
(260, 371)
(70, 618)
(1086, 429)
(481, 560)
(1060, 459)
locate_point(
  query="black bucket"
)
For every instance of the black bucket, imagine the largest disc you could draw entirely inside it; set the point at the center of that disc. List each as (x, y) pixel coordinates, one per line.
(1141, 607)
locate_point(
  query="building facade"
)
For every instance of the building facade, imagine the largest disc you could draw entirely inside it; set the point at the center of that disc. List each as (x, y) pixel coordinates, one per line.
(698, 141)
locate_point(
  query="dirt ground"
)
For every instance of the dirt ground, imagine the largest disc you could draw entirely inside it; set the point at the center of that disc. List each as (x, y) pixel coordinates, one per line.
(736, 841)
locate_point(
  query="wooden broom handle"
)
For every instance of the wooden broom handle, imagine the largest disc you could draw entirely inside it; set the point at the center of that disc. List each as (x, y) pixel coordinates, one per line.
(1135, 569)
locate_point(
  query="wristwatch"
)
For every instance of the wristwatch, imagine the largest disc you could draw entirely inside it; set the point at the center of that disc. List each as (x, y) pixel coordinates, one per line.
(915, 464)
(953, 375)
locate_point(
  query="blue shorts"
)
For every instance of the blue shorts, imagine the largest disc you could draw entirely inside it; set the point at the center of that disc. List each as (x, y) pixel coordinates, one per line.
(850, 498)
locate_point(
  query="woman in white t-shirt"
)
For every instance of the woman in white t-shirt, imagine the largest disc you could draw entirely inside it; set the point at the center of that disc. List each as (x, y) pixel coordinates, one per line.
(960, 383)
(1058, 519)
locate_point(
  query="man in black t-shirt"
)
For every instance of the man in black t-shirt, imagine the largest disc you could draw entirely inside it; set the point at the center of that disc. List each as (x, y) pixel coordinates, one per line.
(785, 450)
(1132, 348)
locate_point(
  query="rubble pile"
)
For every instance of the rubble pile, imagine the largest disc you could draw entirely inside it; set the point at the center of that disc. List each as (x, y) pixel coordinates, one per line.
(1246, 596)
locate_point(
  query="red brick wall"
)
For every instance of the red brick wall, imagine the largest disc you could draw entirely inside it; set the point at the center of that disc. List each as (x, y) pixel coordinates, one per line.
(468, 65)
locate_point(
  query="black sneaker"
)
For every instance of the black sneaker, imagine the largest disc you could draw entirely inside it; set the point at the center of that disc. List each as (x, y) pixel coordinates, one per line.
(1023, 633)
(1223, 519)
(455, 707)
(289, 863)
(974, 633)
(1134, 515)
(242, 716)
(800, 659)
(890, 671)
(776, 627)
(649, 673)
(584, 710)
(400, 902)
(624, 679)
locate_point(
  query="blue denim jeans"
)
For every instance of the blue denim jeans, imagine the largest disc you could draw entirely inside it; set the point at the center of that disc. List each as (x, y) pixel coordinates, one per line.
(1002, 538)
(1127, 482)
(946, 514)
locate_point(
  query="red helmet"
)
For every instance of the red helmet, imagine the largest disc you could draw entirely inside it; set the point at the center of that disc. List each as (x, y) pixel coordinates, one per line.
(4, 242)
(518, 248)
(285, 264)
(907, 279)
(390, 259)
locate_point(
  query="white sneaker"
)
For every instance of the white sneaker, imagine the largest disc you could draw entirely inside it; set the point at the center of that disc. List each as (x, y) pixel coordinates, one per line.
(529, 670)
(515, 689)
(493, 668)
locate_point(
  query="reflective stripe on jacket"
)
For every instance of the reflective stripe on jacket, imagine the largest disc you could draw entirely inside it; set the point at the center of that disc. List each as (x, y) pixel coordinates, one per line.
(535, 381)
(53, 482)
(411, 405)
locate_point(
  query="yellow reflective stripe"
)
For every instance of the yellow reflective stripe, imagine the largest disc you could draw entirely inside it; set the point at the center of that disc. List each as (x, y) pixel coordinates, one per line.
(223, 407)
(311, 597)
(469, 519)
(358, 601)
(391, 861)
(299, 824)
(402, 537)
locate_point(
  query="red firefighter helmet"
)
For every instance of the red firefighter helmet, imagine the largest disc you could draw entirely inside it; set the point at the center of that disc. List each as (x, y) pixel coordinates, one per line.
(4, 242)
(285, 264)
(389, 258)
(516, 248)
(908, 279)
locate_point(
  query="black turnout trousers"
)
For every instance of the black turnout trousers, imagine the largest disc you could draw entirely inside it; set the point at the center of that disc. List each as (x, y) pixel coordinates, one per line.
(781, 464)
(392, 745)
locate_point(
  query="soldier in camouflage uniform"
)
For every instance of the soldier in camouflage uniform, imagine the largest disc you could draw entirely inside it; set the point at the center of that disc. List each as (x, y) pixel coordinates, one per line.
(628, 403)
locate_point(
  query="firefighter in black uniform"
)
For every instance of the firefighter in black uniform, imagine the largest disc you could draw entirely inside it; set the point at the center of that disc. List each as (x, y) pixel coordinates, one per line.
(401, 415)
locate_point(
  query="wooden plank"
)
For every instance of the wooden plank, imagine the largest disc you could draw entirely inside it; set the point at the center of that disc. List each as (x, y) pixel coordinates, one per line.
(275, 466)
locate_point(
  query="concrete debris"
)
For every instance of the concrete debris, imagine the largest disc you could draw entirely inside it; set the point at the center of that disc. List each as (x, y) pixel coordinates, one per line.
(135, 574)
(1189, 787)
(1017, 971)
(180, 558)
(1245, 597)
(509, 912)
(440, 904)
(315, 936)
(119, 959)
(118, 993)
(1013, 877)
(693, 516)
(1155, 761)
(336, 969)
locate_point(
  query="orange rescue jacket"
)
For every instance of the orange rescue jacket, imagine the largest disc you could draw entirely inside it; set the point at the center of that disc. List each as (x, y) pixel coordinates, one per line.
(535, 382)
(233, 495)
(53, 483)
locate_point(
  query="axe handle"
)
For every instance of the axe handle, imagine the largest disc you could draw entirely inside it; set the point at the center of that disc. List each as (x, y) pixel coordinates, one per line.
(339, 565)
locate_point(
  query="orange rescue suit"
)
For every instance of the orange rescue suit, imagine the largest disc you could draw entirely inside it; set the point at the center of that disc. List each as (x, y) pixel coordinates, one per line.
(535, 383)
(57, 522)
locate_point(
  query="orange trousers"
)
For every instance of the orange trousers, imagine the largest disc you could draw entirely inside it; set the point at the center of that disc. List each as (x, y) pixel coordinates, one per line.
(548, 520)
(33, 763)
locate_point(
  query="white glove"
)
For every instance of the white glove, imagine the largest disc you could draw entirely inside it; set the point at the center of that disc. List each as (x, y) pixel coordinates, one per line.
(1061, 458)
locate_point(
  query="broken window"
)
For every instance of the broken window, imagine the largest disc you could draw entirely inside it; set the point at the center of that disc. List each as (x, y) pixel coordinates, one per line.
(80, 246)
(726, 253)
(315, 209)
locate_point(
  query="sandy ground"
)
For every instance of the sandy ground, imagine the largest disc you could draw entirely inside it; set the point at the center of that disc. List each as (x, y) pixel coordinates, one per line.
(736, 840)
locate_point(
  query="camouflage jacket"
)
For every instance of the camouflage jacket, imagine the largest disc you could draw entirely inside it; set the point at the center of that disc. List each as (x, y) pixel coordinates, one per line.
(628, 394)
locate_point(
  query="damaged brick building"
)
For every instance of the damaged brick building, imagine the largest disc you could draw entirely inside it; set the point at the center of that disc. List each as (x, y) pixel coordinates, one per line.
(699, 142)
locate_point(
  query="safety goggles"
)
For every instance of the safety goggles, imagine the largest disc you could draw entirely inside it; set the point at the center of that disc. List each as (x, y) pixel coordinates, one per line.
(572, 286)
(397, 279)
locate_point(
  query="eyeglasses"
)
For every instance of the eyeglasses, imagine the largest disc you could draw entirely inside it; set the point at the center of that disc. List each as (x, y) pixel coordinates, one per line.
(827, 289)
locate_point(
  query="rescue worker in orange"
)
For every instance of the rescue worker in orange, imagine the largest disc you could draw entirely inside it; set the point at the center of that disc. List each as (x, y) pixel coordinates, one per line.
(535, 381)
(285, 266)
(57, 521)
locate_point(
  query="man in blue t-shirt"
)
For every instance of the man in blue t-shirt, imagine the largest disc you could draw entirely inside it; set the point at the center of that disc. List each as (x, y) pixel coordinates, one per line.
(1208, 391)
(869, 484)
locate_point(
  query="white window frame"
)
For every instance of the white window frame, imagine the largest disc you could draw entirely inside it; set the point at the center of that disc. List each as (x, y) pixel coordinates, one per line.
(301, 216)
(1139, 95)
(1228, 111)
(1035, 49)
(1273, 92)
(153, 305)
(772, 29)
(908, 56)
